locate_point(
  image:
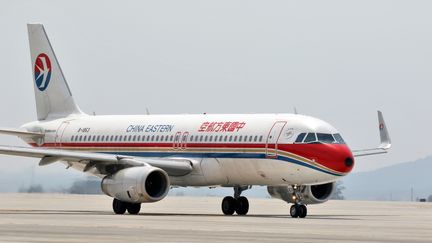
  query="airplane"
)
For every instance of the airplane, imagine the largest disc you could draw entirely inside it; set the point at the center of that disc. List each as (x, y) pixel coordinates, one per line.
(139, 158)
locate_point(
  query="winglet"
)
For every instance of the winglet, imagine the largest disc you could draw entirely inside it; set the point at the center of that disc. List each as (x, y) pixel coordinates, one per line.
(384, 135)
(385, 140)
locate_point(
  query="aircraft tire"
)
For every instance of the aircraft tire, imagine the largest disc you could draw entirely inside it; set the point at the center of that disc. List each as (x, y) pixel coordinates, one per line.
(229, 205)
(133, 208)
(119, 207)
(242, 206)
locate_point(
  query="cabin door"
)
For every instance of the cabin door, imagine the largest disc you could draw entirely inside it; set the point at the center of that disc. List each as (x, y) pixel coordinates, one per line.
(273, 138)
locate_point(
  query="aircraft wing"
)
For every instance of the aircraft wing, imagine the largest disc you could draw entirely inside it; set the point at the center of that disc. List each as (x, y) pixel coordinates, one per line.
(384, 137)
(99, 163)
(20, 133)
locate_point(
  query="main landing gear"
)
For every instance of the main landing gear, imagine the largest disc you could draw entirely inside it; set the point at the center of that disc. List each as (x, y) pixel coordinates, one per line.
(120, 207)
(298, 210)
(238, 204)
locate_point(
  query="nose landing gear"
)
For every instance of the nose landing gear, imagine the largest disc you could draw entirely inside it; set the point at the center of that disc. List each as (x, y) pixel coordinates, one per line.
(238, 204)
(298, 210)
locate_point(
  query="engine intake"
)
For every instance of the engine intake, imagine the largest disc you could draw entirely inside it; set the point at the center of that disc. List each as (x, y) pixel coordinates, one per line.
(137, 184)
(311, 194)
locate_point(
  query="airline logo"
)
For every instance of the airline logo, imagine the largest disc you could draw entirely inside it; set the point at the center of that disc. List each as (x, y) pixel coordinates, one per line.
(42, 71)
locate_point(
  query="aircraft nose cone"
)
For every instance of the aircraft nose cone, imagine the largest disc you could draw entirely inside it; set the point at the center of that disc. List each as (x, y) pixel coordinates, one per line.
(349, 162)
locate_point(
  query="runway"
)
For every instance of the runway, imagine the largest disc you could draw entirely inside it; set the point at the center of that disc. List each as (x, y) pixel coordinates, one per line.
(83, 218)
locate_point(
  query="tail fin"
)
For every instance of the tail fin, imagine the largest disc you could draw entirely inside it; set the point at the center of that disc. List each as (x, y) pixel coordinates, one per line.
(53, 96)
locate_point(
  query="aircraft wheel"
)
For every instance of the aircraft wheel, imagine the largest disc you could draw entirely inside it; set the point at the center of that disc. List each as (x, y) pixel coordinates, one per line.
(303, 211)
(229, 205)
(119, 207)
(242, 206)
(133, 208)
(295, 211)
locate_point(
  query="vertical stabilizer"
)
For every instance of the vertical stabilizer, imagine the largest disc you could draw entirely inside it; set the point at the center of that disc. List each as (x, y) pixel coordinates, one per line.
(53, 97)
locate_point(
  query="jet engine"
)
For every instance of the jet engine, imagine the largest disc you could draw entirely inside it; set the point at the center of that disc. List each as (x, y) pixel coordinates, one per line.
(310, 194)
(137, 184)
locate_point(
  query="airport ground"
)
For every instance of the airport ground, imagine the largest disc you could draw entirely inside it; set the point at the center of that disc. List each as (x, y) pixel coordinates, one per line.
(84, 218)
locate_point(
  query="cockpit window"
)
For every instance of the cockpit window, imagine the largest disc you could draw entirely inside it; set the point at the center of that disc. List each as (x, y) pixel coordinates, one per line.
(300, 137)
(338, 138)
(325, 138)
(311, 137)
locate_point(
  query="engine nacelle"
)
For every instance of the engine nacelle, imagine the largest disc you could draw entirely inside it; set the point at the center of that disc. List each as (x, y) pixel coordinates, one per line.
(137, 184)
(311, 194)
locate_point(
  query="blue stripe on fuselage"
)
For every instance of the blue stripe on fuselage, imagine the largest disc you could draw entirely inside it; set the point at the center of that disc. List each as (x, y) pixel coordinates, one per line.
(220, 155)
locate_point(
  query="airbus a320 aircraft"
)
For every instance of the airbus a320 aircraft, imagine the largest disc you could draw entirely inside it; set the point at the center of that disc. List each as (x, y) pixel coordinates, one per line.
(140, 157)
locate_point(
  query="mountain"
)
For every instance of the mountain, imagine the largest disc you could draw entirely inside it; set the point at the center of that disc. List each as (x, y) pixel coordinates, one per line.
(391, 183)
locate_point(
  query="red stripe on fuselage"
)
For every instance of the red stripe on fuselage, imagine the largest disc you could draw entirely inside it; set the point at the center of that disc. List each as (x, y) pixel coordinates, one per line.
(332, 156)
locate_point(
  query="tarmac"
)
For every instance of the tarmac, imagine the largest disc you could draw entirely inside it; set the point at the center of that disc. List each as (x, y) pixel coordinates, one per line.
(89, 218)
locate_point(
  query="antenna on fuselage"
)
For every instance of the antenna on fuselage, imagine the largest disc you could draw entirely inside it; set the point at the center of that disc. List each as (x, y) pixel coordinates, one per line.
(295, 110)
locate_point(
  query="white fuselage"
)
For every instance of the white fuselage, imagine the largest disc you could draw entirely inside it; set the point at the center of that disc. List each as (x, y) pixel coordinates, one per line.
(225, 149)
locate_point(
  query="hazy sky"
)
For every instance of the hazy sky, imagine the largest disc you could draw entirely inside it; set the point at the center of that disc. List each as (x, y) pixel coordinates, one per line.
(336, 60)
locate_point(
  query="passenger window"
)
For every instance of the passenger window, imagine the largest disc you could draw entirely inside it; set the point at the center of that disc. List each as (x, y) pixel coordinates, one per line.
(261, 138)
(240, 138)
(211, 138)
(220, 138)
(250, 138)
(84, 138)
(171, 137)
(205, 138)
(152, 138)
(256, 138)
(116, 137)
(235, 138)
(226, 138)
(72, 138)
(325, 138)
(311, 137)
(157, 137)
(191, 138)
(201, 138)
(230, 138)
(300, 138)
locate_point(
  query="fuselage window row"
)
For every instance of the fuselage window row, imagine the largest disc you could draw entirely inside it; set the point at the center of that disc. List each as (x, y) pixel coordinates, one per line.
(169, 138)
